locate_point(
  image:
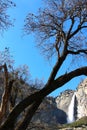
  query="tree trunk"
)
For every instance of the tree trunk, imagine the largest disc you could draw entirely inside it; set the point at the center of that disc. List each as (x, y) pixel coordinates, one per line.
(31, 111)
(6, 94)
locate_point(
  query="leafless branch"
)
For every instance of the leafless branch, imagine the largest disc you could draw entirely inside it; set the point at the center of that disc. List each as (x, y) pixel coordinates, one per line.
(78, 51)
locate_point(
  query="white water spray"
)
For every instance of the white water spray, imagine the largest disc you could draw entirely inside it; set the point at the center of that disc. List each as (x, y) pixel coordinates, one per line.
(71, 117)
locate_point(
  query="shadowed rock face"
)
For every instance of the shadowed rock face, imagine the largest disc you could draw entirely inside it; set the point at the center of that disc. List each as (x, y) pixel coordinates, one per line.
(49, 113)
(62, 117)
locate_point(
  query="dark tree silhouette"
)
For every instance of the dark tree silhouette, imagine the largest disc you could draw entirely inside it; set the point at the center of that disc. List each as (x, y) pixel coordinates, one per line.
(61, 29)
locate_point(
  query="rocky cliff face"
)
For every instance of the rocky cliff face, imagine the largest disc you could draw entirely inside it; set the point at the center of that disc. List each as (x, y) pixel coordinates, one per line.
(81, 95)
(49, 113)
(64, 99)
(80, 101)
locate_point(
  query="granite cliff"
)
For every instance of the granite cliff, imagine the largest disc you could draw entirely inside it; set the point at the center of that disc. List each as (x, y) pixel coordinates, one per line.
(80, 100)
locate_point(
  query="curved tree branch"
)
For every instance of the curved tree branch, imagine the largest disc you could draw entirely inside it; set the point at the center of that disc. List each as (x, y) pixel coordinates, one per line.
(56, 68)
(67, 77)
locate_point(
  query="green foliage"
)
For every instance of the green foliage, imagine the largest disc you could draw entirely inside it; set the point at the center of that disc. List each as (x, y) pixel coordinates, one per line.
(79, 123)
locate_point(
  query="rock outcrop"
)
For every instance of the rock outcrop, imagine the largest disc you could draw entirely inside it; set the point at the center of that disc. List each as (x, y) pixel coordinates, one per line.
(64, 99)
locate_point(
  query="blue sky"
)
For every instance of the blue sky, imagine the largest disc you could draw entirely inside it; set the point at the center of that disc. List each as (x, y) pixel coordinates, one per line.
(23, 47)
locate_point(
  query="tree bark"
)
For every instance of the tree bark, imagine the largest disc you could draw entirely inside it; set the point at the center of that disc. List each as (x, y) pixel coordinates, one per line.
(6, 94)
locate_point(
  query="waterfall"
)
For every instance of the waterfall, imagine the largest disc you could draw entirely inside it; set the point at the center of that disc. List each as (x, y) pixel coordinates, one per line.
(71, 117)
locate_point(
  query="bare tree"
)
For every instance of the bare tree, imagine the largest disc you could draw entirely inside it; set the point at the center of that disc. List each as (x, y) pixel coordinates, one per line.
(6, 57)
(5, 21)
(61, 27)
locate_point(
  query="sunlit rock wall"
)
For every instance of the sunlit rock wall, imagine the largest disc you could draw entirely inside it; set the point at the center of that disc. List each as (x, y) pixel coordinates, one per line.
(81, 95)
